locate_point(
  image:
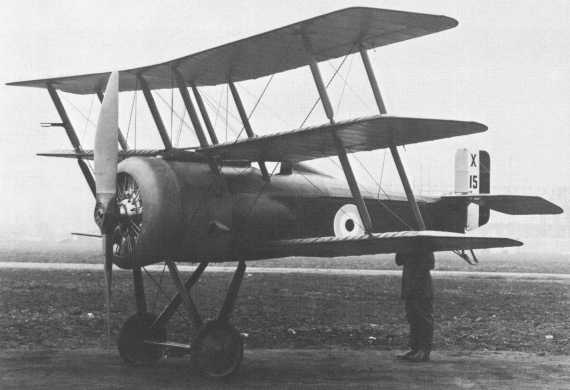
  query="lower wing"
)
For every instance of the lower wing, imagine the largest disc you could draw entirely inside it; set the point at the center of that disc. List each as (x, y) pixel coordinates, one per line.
(405, 241)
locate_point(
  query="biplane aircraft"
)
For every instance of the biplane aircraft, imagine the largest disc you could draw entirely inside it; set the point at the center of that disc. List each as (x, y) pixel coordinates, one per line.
(218, 202)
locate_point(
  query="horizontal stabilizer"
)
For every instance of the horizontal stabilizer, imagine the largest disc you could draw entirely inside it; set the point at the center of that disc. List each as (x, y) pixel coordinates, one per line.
(511, 204)
(405, 241)
(355, 135)
(329, 36)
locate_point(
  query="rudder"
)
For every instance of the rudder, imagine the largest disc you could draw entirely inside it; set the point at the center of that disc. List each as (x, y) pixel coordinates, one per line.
(473, 176)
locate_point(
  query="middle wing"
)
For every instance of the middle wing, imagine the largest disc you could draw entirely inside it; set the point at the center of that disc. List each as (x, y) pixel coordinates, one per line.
(356, 135)
(376, 243)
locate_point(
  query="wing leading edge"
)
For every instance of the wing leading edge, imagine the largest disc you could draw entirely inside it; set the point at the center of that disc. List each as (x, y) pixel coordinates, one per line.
(377, 243)
(329, 36)
(356, 135)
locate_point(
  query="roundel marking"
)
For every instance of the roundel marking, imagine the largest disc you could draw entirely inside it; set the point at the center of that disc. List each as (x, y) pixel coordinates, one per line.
(347, 222)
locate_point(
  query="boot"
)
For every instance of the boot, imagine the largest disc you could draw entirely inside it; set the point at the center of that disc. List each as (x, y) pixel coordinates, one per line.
(405, 356)
(419, 356)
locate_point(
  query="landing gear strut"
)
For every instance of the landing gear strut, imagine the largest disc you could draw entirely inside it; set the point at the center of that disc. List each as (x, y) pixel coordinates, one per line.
(217, 346)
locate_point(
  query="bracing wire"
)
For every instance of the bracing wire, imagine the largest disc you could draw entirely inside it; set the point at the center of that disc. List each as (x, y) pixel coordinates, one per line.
(217, 105)
(345, 83)
(176, 114)
(180, 127)
(227, 109)
(171, 104)
(326, 86)
(273, 112)
(255, 105)
(131, 114)
(217, 111)
(88, 117)
(78, 110)
(136, 108)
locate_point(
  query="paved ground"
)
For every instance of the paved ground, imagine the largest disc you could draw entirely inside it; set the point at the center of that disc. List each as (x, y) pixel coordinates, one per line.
(287, 369)
(288, 270)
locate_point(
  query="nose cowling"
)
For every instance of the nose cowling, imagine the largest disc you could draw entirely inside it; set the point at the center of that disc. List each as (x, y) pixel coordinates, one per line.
(150, 217)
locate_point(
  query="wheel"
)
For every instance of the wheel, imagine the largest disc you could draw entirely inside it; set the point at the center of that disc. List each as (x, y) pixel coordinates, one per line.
(135, 331)
(218, 349)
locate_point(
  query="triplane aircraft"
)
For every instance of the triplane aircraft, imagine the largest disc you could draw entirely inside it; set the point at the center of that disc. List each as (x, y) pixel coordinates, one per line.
(209, 204)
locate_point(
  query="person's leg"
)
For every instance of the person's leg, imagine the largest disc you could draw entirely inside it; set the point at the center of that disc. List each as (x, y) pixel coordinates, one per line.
(412, 336)
(412, 317)
(424, 324)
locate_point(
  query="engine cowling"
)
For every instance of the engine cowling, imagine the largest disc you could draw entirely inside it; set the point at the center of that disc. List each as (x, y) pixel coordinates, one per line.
(150, 212)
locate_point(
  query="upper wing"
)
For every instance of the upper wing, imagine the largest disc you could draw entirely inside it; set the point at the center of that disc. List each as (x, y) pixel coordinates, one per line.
(511, 204)
(406, 241)
(329, 36)
(355, 135)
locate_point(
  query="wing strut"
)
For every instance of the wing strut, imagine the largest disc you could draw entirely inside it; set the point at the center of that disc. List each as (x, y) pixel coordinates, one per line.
(246, 124)
(341, 151)
(155, 113)
(205, 115)
(194, 117)
(181, 84)
(72, 135)
(393, 147)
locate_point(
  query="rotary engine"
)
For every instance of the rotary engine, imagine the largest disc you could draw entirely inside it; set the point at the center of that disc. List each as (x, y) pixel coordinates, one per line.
(165, 210)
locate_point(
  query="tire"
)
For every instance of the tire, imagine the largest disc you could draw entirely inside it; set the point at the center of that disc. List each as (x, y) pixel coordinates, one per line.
(132, 348)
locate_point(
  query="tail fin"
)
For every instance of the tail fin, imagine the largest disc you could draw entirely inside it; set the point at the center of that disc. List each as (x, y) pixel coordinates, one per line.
(473, 177)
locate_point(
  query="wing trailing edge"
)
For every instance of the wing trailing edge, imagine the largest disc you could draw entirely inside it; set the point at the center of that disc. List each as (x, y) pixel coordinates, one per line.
(377, 243)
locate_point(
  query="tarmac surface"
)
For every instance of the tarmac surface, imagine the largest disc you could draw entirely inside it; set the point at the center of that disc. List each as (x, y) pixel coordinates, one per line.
(290, 270)
(287, 369)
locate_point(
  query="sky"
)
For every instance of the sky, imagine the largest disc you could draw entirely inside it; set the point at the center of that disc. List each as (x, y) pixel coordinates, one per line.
(506, 65)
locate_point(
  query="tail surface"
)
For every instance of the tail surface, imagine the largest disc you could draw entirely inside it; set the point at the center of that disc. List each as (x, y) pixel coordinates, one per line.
(473, 187)
(473, 177)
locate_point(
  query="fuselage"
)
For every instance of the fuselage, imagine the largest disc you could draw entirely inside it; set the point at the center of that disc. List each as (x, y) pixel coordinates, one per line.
(219, 215)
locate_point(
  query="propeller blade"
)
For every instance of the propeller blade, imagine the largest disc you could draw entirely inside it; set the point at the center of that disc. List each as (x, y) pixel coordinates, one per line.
(106, 150)
(108, 251)
(106, 157)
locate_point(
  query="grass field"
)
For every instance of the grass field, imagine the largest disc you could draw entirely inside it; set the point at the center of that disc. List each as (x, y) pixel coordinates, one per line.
(64, 309)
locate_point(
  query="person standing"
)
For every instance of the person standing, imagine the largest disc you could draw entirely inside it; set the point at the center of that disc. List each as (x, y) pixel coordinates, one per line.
(417, 293)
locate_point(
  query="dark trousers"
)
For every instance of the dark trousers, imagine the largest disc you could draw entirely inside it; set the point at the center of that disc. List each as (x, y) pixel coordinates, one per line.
(419, 313)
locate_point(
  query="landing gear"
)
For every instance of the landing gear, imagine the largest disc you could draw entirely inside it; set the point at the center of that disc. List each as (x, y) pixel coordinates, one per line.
(133, 340)
(217, 347)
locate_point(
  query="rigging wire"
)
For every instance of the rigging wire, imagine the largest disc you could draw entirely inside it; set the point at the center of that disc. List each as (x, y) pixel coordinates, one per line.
(227, 109)
(88, 116)
(360, 98)
(131, 114)
(255, 105)
(178, 137)
(175, 113)
(78, 110)
(217, 105)
(171, 103)
(218, 111)
(326, 86)
(273, 112)
(136, 111)
(344, 84)
(382, 172)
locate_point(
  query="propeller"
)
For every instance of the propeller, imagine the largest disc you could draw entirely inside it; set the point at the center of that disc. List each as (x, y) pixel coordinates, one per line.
(106, 155)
